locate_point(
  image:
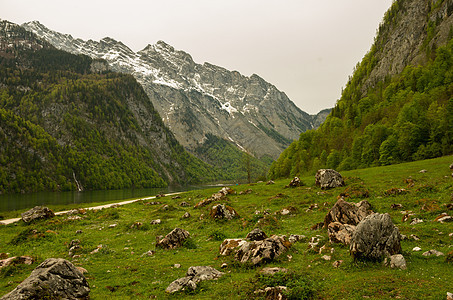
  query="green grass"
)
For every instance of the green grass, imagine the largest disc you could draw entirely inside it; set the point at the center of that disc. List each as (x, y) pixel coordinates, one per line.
(119, 271)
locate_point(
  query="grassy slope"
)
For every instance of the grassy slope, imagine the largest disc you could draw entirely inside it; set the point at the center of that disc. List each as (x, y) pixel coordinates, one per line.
(120, 266)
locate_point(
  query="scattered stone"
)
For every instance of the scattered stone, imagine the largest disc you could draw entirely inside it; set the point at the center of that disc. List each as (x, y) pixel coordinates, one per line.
(449, 296)
(451, 234)
(16, 260)
(312, 207)
(449, 206)
(194, 275)
(337, 263)
(113, 225)
(156, 222)
(74, 218)
(256, 235)
(165, 207)
(186, 215)
(99, 247)
(326, 257)
(149, 253)
(273, 270)
(451, 166)
(270, 182)
(444, 217)
(293, 238)
(395, 191)
(55, 278)
(348, 212)
(397, 261)
(73, 246)
(263, 251)
(36, 213)
(136, 225)
(272, 292)
(160, 195)
(224, 266)
(340, 233)
(396, 206)
(184, 204)
(416, 249)
(221, 195)
(423, 171)
(177, 266)
(294, 183)
(246, 192)
(414, 237)
(314, 242)
(416, 221)
(154, 203)
(287, 211)
(223, 212)
(229, 246)
(433, 252)
(328, 178)
(375, 237)
(174, 239)
(176, 197)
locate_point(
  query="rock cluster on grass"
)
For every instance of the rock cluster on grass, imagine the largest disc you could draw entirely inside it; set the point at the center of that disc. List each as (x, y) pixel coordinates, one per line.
(375, 237)
(229, 246)
(55, 278)
(37, 213)
(174, 239)
(16, 260)
(194, 275)
(328, 179)
(257, 252)
(342, 219)
(221, 195)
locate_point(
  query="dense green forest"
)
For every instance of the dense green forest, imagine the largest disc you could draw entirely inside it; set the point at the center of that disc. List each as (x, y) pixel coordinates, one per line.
(402, 118)
(62, 125)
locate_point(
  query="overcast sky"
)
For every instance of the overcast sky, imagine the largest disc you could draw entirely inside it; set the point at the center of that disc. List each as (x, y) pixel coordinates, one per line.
(307, 49)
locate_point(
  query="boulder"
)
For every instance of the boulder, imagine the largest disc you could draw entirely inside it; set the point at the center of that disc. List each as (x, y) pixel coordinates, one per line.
(294, 183)
(229, 246)
(36, 213)
(174, 239)
(328, 179)
(397, 261)
(194, 275)
(222, 211)
(16, 260)
(340, 233)
(348, 212)
(55, 278)
(375, 237)
(258, 252)
(256, 235)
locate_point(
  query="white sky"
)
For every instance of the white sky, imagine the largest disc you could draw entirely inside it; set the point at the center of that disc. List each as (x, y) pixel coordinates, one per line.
(307, 49)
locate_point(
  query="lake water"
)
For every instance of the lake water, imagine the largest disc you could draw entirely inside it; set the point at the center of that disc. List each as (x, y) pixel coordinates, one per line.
(13, 202)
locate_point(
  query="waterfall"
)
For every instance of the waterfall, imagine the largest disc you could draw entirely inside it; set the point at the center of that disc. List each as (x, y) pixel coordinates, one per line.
(79, 186)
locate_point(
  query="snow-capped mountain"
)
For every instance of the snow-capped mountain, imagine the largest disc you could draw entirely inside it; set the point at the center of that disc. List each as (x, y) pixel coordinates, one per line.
(199, 99)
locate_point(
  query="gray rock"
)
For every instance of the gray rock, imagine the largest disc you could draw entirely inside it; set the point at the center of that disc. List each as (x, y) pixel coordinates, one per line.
(375, 237)
(55, 278)
(432, 252)
(186, 215)
(398, 261)
(328, 179)
(222, 211)
(273, 270)
(256, 235)
(174, 239)
(229, 246)
(258, 252)
(348, 212)
(194, 275)
(36, 213)
(340, 233)
(449, 296)
(295, 183)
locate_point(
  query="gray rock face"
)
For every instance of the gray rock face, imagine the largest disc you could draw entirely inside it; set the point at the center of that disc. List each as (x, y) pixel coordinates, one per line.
(55, 278)
(36, 213)
(328, 179)
(375, 237)
(199, 99)
(174, 239)
(194, 275)
(257, 252)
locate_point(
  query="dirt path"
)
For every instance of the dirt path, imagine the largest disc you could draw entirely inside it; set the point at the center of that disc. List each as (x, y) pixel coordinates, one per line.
(9, 221)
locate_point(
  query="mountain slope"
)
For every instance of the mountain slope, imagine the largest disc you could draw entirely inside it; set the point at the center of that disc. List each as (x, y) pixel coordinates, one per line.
(398, 105)
(64, 126)
(199, 100)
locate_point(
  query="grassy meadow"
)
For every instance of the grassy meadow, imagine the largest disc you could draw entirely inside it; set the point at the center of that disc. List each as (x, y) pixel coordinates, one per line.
(120, 270)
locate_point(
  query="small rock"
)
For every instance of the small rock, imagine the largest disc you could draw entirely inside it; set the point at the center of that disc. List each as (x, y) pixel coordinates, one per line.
(16, 260)
(177, 266)
(194, 275)
(294, 183)
(432, 252)
(414, 237)
(113, 225)
(186, 215)
(36, 213)
(246, 192)
(416, 221)
(444, 219)
(337, 263)
(293, 238)
(270, 182)
(416, 249)
(451, 234)
(136, 225)
(423, 171)
(449, 296)
(223, 266)
(149, 253)
(396, 206)
(326, 257)
(273, 270)
(184, 204)
(156, 222)
(398, 261)
(174, 239)
(328, 179)
(222, 211)
(176, 197)
(79, 231)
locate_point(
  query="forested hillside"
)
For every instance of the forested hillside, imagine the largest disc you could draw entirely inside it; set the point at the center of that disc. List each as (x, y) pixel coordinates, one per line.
(64, 126)
(397, 106)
